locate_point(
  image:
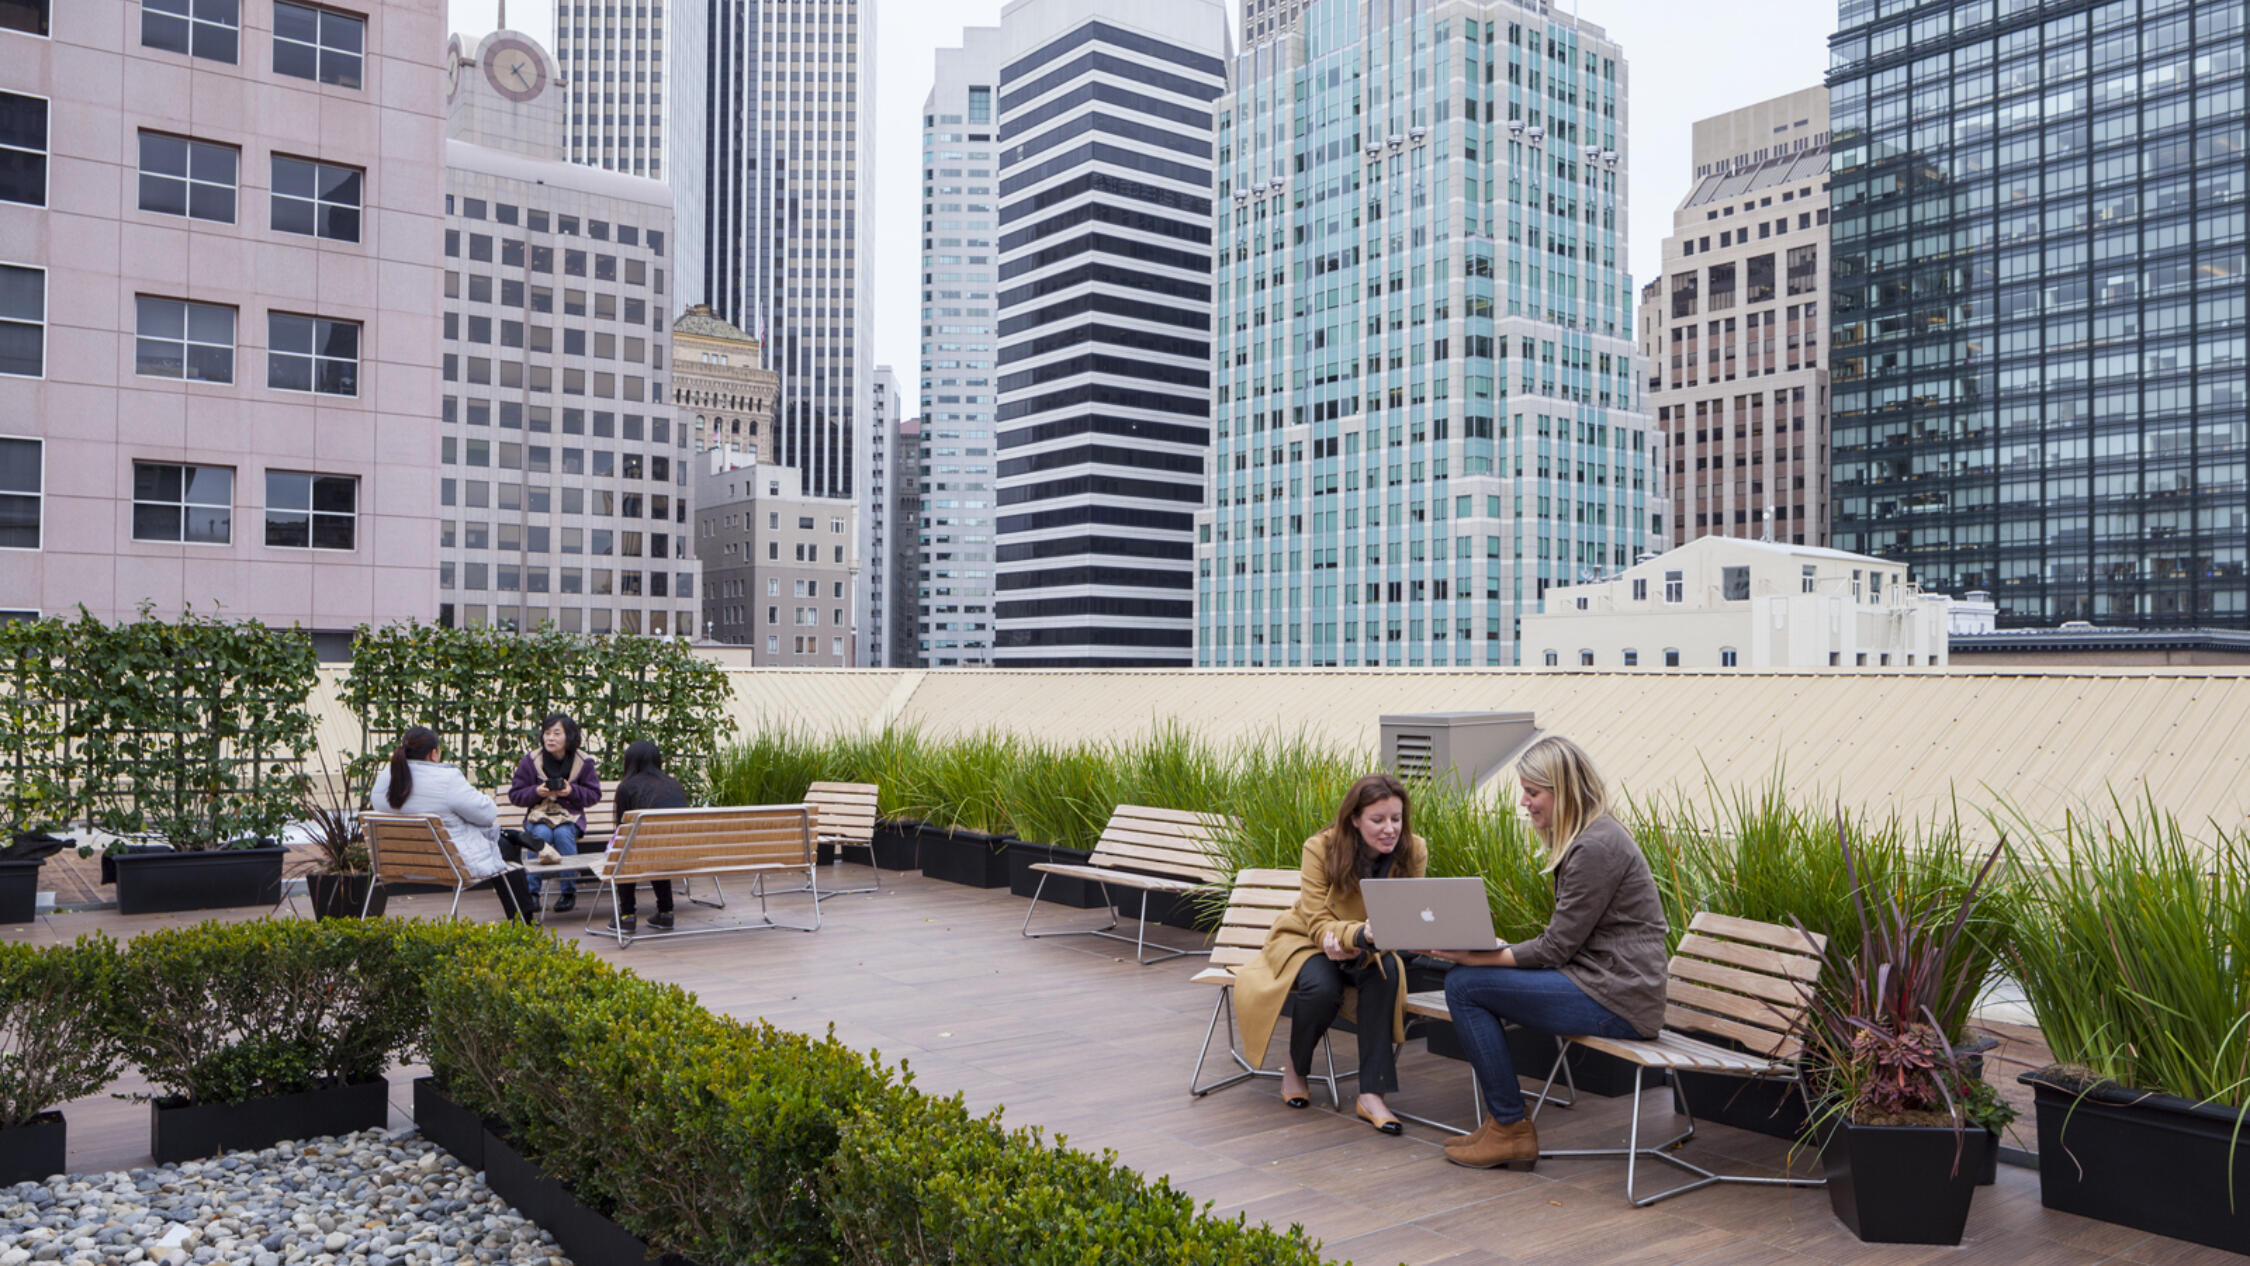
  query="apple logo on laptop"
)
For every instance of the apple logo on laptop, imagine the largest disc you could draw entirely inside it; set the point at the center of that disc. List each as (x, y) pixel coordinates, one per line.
(1428, 915)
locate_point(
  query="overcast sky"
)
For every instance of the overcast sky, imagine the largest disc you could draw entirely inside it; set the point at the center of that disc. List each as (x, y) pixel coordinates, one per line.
(1688, 60)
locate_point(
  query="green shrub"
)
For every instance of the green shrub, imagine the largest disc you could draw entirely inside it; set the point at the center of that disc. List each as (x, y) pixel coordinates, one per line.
(963, 783)
(227, 1012)
(1060, 795)
(53, 1044)
(774, 767)
(918, 1181)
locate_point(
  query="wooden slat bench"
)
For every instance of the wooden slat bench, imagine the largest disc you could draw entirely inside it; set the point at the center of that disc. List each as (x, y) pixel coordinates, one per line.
(844, 815)
(413, 848)
(1259, 897)
(1732, 978)
(751, 840)
(1150, 850)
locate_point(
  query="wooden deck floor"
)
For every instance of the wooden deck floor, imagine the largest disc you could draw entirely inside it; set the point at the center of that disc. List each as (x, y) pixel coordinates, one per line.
(1069, 1035)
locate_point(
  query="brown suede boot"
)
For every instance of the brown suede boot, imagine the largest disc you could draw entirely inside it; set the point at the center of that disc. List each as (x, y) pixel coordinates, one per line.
(1484, 1127)
(1515, 1145)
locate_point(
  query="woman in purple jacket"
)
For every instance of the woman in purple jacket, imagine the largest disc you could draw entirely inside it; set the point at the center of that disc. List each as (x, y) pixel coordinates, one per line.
(555, 783)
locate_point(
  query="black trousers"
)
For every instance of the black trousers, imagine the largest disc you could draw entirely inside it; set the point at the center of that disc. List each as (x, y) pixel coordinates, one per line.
(512, 884)
(662, 887)
(1319, 994)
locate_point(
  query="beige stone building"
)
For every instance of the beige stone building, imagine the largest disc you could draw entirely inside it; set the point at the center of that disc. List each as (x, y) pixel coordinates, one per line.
(1724, 602)
(219, 308)
(779, 567)
(720, 386)
(1734, 329)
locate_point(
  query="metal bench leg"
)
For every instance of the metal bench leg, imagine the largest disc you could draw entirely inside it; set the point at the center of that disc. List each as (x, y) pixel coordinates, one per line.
(1546, 1094)
(1035, 894)
(1224, 1006)
(719, 904)
(1633, 1151)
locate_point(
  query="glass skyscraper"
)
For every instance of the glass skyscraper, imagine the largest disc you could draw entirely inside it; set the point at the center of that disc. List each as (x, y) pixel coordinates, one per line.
(2038, 303)
(1426, 401)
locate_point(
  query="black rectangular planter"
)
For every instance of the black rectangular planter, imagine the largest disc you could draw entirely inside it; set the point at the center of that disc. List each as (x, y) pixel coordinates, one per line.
(1533, 1053)
(1894, 1184)
(1063, 890)
(19, 892)
(448, 1124)
(2148, 1161)
(335, 896)
(34, 1152)
(589, 1238)
(159, 883)
(897, 845)
(191, 1131)
(973, 859)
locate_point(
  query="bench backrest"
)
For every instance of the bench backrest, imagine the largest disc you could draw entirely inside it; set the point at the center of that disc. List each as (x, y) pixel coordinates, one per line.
(844, 811)
(1743, 980)
(1165, 842)
(664, 843)
(1259, 897)
(411, 848)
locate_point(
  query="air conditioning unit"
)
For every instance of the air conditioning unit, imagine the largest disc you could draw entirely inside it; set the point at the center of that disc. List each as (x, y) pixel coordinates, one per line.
(1454, 746)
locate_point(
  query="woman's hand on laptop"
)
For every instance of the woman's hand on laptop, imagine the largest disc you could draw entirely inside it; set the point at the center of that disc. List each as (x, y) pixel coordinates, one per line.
(1336, 949)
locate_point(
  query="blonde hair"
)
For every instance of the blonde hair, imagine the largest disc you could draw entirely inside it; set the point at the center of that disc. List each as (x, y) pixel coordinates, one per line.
(1563, 768)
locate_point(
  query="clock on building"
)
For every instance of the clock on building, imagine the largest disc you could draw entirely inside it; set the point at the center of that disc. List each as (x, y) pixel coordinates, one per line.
(515, 69)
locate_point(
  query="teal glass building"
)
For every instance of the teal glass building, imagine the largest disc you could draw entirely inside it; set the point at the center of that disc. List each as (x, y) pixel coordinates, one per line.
(1424, 398)
(2038, 303)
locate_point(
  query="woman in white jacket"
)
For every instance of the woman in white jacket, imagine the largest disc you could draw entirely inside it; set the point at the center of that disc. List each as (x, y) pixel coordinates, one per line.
(416, 781)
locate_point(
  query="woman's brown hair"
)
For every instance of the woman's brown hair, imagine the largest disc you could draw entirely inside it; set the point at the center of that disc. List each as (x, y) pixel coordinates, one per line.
(1344, 843)
(1565, 769)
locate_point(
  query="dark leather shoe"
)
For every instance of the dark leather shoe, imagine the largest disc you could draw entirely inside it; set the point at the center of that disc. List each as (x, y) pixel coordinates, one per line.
(568, 903)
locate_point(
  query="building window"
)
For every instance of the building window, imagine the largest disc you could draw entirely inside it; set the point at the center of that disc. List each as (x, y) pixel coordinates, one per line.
(312, 354)
(1726, 657)
(318, 44)
(178, 339)
(1860, 659)
(1553, 659)
(28, 16)
(23, 321)
(1671, 657)
(316, 199)
(1585, 659)
(190, 504)
(191, 178)
(980, 105)
(1675, 587)
(23, 149)
(21, 481)
(307, 511)
(1640, 589)
(1632, 659)
(1734, 584)
(1808, 578)
(1580, 603)
(203, 28)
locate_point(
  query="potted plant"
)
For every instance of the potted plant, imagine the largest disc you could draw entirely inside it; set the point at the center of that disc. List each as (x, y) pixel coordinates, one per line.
(338, 880)
(2132, 958)
(57, 1048)
(965, 832)
(1904, 1135)
(1059, 798)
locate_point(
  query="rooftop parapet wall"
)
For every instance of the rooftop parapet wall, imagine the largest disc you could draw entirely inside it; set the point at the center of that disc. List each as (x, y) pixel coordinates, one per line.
(2046, 742)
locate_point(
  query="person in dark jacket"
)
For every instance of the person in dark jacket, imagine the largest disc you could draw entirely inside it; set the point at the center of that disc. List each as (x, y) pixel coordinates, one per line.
(555, 783)
(646, 786)
(1597, 969)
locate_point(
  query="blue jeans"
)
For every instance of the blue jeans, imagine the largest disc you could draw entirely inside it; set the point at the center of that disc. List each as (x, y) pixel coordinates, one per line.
(1541, 999)
(565, 839)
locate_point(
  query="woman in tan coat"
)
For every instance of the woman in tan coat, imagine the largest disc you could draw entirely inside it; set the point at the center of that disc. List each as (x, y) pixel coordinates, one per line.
(1319, 947)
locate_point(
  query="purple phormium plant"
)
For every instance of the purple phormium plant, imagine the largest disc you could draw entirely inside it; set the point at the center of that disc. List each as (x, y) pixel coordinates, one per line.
(1883, 1024)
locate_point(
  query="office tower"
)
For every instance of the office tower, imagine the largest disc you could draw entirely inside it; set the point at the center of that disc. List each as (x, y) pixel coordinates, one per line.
(960, 338)
(1734, 328)
(1426, 390)
(884, 417)
(219, 289)
(722, 393)
(757, 108)
(779, 563)
(1262, 20)
(1105, 193)
(2039, 304)
(636, 89)
(902, 604)
(564, 480)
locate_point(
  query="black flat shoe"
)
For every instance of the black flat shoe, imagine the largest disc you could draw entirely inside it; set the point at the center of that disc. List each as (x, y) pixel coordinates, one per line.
(1389, 1125)
(568, 903)
(661, 920)
(1298, 1101)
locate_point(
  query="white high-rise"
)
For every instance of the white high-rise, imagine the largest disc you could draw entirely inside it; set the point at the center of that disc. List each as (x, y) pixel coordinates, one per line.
(1104, 307)
(960, 336)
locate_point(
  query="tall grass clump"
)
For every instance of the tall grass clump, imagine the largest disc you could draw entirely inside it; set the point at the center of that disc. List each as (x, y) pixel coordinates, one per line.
(896, 760)
(963, 783)
(1285, 789)
(2135, 954)
(1061, 795)
(773, 767)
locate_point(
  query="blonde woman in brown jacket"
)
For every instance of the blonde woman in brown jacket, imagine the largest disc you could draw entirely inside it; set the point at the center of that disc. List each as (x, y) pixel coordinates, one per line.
(1320, 946)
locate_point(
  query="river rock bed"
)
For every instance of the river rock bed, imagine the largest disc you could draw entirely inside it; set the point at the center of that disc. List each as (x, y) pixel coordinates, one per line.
(375, 1198)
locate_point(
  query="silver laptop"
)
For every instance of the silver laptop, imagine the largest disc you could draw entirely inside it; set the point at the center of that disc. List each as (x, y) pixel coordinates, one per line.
(1429, 914)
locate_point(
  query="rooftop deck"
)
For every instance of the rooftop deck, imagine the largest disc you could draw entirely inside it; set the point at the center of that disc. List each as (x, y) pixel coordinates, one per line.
(1069, 1035)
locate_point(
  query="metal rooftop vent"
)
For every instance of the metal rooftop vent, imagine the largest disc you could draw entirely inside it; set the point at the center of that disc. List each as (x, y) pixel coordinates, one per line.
(1463, 746)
